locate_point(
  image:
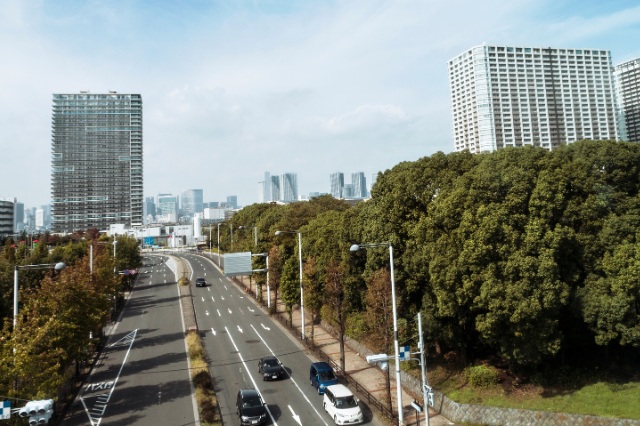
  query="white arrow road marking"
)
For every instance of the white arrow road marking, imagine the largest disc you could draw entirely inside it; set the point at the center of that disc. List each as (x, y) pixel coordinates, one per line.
(295, 416)
(213, 331)
(240, 329)
(250, 310)
(265, 327)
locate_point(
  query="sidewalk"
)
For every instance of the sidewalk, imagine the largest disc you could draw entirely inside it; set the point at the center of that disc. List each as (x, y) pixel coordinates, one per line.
(368, 377)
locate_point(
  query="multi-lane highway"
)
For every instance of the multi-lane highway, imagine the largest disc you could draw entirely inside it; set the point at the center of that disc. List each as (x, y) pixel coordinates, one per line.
(142, 376)
(237, 333)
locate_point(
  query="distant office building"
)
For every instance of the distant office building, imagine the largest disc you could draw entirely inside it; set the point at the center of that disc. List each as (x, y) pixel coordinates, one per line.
(627, 82)
(191, 201)
(289, 188)
(266, 185)
(275, 188)
(96, 152)
(347, 191)
(149, 210)
(232, 201)
(337, 183)
(18, 217)
(359, 184)
(6, 217)
(505, 96)
(167, 208)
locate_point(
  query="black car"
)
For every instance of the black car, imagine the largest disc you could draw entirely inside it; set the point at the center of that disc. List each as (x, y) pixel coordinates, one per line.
(200, 282)
(271, 368)
(251, 408)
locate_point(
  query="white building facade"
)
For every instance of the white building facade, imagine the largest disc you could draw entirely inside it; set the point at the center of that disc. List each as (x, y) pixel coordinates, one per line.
(627, 83)
(504, 96)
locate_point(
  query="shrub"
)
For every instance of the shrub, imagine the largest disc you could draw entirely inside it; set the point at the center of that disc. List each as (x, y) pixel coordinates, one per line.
(482, 376)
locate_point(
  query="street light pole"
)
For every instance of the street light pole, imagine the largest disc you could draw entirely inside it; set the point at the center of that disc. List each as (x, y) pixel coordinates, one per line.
(219, 244)
(357, 247)
(301, 287)
(57, 266)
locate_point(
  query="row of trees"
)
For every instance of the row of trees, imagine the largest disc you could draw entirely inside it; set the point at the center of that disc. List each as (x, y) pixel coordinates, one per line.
(524, 254)
(61, 314)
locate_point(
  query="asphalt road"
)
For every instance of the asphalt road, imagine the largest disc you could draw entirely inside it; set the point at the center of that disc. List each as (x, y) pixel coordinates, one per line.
(236, 334)
(142, 376)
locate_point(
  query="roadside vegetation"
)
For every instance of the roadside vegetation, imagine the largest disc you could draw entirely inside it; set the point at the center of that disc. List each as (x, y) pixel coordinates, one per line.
(524, 260)
(202, 381)
(61, 314)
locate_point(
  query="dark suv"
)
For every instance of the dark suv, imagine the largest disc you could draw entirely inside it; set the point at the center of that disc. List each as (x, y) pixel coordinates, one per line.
(200, 282)
(251, 408)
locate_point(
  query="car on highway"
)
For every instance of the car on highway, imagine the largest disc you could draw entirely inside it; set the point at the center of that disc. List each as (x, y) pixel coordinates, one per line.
(251, 409)
(342, 405)
(321, 375)
(271, 368)
(201, 282)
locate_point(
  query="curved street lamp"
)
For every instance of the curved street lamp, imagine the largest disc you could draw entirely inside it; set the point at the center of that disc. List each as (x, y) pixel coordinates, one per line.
(57, 266)
(301, 288)
(357, 247)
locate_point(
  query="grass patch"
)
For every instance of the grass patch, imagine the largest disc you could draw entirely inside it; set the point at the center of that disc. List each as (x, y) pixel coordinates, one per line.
(202, 381)
(575, 393)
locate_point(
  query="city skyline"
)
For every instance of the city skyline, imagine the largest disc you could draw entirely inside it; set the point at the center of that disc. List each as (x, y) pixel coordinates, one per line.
(229, 88)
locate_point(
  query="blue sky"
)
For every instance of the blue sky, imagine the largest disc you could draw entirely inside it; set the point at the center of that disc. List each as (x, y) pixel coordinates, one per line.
(232, 89)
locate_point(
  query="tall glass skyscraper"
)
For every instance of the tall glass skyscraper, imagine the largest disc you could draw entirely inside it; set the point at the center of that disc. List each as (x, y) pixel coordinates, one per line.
(359, 185)
(506, 96)
(96, 177)
(192, 200)
(289, 187)
(337, 183)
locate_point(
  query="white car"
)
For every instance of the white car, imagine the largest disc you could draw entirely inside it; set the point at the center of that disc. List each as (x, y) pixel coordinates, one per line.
(342, 405)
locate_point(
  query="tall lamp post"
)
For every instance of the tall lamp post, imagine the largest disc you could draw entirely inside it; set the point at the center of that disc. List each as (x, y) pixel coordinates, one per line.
(301, 288)
(57, 266)
(357, 247)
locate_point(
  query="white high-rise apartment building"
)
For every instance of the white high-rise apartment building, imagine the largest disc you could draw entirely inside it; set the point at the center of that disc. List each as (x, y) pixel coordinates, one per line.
(506, 96)
(627, 81)
(359, 184)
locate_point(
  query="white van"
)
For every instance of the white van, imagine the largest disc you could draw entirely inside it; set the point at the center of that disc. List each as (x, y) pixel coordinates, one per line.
(342, 405)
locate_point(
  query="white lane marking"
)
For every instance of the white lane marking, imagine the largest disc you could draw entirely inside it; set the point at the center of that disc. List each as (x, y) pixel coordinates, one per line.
(240, 329)
(213, 331)
(219, 314)
(213, 299)
(255, 386)
(250, 310)
(203, 298)
(222, 297)
(104, 399)
(291, 378)
(208, 288)
(265, 327)
(206, 312)
(295, 416)
(229, 309)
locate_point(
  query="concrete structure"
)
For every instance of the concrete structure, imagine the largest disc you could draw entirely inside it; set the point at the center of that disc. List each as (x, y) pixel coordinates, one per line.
(232, 201)
(275, 188)
(96, 152)
(627, 84)
(505, 96)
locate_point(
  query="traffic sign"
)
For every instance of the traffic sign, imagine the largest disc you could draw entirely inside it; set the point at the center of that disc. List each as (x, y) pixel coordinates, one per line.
(405, 353)
(5, 412)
